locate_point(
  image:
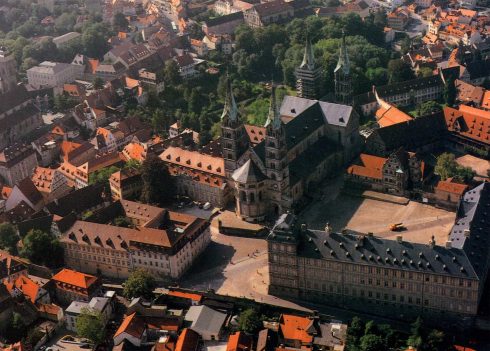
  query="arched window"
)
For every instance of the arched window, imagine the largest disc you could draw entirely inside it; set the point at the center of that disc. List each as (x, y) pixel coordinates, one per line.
(252, 197)
(260, 195)
(243, 196)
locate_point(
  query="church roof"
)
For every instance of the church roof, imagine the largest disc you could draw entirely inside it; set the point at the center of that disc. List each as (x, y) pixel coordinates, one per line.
(308, 57)
(343, 62)
(248, 173)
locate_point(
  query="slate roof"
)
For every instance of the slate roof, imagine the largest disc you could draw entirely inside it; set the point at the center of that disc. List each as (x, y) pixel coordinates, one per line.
(77, 201)
(248, 173)
(405, 87)
(224, 19)
(205, 319)
(411, 134)
(13, 98)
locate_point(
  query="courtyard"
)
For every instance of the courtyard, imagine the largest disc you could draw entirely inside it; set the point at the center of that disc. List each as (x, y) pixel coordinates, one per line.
(364, 215)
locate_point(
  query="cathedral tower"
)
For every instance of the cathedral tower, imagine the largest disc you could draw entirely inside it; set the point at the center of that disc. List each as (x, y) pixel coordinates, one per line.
(8, 71)
(343, 78)
(276, 161)
(308, 75)
(234, 139)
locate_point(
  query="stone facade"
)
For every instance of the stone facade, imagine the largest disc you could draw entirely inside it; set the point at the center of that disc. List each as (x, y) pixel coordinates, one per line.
(387, 277)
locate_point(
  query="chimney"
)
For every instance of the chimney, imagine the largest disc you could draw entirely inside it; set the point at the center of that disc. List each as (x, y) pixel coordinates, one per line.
(399, 238)
(432, 241)
(449, 244)
(467, 233)
(304, 228)
(328, 228)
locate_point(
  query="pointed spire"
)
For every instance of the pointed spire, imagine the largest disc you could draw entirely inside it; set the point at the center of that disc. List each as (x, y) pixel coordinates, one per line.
(309, 56)
(230, 110)
(273, 119)
(344, 61)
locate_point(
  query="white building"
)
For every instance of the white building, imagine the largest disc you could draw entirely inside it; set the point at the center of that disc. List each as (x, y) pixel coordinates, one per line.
(97, 304)
(53, 74)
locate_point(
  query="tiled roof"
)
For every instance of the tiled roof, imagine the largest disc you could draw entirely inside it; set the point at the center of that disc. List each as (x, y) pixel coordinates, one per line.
(468, 92)
(255, 134)
(296, 328)
(371, 167)
(28, 188)
(42, 178)
(248, 173)
(194, 160)
(131, 325)
(391, 115)
(469, 122)
(188, 340)
(74, 278)
(452, 187)
(185, 295)
(28, 287)
(239, 341)
(236, 16)
(134, 151)
(272, 7)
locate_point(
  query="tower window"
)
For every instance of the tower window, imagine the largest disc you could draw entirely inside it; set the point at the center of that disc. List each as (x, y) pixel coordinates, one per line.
(252, 197)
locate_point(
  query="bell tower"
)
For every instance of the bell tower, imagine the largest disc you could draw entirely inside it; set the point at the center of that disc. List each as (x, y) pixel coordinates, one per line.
(276, 162)
(342, 74)
(234, 139)
(308, 75)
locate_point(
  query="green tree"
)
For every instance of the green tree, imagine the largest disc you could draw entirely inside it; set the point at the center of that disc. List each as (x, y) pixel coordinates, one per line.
(120, 22)
(90, 324)
(399, 71)
(98, 83)
(447, 167)
(94, 40)
(37, 243)
(171, 73)
(428, 108)
(158, 184)
(425, 72)
(8, 237)
(16, 329)
(450, 92)
(371, 342)
(140, 283)
(123, 221)
(133, 165)
(355, 332)
(249, 321)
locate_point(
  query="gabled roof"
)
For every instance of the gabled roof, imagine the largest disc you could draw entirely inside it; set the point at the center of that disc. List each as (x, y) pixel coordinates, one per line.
(131, 325)
(469, 122)
(239, 341)
(296, 328)
(185, 295)
(28, 188)
(205, 319)
(370, 167)
(25, 285)
(188, 340)
(449, 186)
(78, 279)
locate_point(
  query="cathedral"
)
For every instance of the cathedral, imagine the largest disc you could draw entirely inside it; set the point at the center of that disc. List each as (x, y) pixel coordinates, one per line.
(268, 170)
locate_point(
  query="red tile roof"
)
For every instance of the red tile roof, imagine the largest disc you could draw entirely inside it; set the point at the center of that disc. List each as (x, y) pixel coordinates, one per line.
(449, 186)
(186, 295)
(28, 287)
(75, 278)
(295, 328)
(469, 122)
(131, 325)
(239, 342)
(188, 340)
(371, 167)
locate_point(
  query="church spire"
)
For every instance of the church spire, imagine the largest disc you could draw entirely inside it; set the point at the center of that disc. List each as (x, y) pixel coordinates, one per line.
(273, 118)
(308, 57)
(343, 62)
(230, 110)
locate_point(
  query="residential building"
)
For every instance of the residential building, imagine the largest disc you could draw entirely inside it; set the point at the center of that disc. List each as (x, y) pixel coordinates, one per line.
(308, 75)
(223, 24)
(24, 286)
(164, 243)
(205, 321)
(12, 267)
(398, 19)
(97, 304)
(448, 193)
(70, 285)
(88, 169)
(19, 115)
(52, 74)
(126, 184)
(17, 162)
(387, 277)
(50, 182)
(468, 128)
(275, 11)
(8, 71)
(187, 66)
(309, 332)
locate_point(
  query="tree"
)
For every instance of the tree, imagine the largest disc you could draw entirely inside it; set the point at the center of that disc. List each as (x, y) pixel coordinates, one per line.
(16, 329)
(428, 108)
(123, 221)
(371, 342)
(447, 167)
(98, 83)
(8, 237)
(249, 321)
(140, 283)
(120, 22)
(171, 73)
(399, 71)
(450, 92)
(425, 72)
(158, 184)
(90, 324)
(37, 243)
(102, 175)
